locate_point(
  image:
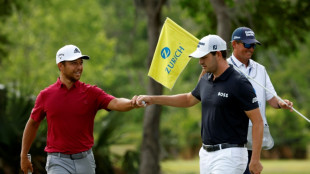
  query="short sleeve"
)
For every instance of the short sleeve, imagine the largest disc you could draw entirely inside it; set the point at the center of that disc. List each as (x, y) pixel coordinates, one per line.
(246, 95)
(38, 113)
(196, 91)
(270, 87)
(103, 98)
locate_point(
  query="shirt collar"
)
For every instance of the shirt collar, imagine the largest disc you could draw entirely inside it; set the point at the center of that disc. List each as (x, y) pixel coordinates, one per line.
(223, 76)
(237, 63)
(60, 84)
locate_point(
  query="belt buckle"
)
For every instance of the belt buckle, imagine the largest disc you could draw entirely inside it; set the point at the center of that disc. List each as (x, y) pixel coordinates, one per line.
(77, 156)
(211, 148)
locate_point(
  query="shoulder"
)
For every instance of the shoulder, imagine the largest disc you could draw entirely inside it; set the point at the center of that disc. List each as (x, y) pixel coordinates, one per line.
(48, 91)
(238, 77)
(258, 65)
(50, 88)
(91, 89)
(239, 81)
(88, 87)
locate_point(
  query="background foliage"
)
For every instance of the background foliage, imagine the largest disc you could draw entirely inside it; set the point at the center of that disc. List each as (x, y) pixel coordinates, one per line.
(113, 33)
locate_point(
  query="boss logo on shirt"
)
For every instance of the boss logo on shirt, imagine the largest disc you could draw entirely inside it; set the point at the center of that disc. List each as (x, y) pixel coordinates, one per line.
(222, 94)
(254, 100)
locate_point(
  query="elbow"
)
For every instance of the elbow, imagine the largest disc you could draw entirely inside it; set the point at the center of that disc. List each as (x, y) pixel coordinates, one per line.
(124, 108)
(259, 124)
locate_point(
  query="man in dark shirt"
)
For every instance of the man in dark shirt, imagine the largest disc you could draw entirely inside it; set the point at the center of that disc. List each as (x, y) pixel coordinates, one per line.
(228, 102)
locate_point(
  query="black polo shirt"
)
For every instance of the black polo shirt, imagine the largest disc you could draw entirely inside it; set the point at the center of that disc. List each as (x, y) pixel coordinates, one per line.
(224, 101)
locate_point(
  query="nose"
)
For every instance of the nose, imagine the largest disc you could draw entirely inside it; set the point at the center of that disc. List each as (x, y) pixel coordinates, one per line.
(80, 66)
(200, 61)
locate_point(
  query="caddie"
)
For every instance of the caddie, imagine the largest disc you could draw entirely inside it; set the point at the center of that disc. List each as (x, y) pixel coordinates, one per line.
(243, 42)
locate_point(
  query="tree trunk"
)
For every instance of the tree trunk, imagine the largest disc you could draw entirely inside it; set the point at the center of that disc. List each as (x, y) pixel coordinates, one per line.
(3, 99)
(150, 144)
(223, 20)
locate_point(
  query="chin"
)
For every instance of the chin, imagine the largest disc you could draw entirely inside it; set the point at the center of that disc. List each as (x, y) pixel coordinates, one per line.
(74, 79)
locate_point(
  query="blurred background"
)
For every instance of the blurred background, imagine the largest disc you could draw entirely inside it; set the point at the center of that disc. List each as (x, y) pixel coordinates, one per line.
(120, 37)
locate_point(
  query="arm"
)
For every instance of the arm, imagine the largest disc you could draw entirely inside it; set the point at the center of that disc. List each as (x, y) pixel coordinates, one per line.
(179, 100)
(257, 134)
(275, 103)
(122, 104)
(203, 72)
(28, 137)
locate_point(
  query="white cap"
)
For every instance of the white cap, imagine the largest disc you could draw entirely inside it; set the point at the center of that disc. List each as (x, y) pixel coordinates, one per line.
(69, 53)
(209, 44)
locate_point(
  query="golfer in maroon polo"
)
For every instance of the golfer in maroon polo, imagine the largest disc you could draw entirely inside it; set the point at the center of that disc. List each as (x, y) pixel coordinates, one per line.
(69, 107)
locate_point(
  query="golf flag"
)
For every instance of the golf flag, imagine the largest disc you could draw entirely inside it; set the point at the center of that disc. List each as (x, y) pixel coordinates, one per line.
(171, 53)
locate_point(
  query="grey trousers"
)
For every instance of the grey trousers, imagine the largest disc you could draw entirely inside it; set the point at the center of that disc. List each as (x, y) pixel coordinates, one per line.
(57, 165)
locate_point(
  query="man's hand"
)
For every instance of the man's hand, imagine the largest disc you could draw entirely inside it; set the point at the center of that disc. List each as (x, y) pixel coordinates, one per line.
(134, 102)
(143, 100)
(25, 164)
(287, 105)
(255, 167)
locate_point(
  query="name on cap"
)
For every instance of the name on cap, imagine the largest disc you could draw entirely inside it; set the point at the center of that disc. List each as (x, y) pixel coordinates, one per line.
(249, 33)
(60, 55)
(200, 43)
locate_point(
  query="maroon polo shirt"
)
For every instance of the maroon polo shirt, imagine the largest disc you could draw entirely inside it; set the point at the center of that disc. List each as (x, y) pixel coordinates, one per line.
(70, 115)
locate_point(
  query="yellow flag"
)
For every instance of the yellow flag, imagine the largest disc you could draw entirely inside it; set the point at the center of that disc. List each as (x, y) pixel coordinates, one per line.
(171, 53)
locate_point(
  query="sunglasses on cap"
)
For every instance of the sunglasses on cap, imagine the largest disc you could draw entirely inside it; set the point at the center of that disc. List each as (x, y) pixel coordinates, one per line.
(248, 46)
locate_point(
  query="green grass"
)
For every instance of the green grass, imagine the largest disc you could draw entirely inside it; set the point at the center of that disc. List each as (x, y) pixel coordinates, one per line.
(270, 166)
(286, 166)
(180, 167)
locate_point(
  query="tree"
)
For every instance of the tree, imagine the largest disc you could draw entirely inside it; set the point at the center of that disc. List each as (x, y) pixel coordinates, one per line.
(6, 9)
(222, 19)
(150, 143)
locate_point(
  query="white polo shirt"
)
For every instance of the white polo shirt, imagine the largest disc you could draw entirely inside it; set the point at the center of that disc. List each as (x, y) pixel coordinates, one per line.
(259, 74)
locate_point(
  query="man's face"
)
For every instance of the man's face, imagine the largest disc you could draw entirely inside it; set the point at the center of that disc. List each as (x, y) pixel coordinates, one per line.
(72, 70)
(241, 52)
(209, 63)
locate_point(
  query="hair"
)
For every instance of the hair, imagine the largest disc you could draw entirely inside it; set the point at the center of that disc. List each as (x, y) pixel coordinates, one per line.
(223, 52)
(63, 62)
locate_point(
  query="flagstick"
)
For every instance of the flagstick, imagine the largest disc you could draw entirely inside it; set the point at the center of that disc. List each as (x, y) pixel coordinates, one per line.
(271, 93)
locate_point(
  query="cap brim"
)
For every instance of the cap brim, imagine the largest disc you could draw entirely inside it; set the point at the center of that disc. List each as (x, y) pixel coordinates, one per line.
(74, 58)
(251, 41)
(85, 57)
(197, 54)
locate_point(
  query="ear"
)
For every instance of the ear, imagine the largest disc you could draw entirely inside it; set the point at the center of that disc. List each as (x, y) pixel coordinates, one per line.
(219, 54)
(234, 43)
(60, 65)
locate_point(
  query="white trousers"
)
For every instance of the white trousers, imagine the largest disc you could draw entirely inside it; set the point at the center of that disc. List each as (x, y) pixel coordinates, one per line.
(225, 161)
